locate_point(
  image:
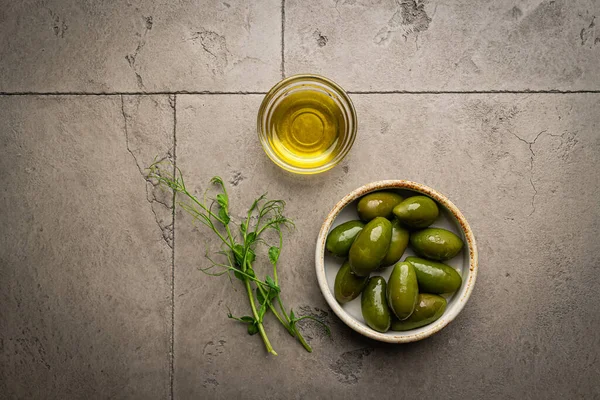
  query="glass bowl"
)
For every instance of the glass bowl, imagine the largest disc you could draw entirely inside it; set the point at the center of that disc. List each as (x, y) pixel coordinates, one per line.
(345, 132)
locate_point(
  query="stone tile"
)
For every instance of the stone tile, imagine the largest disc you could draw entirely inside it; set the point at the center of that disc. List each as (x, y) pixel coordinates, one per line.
(139, 46)
(85, 272)
(375, 45)
(524, 169)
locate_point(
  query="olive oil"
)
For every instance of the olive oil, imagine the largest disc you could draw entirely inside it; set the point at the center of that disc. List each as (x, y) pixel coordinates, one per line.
(307, 128)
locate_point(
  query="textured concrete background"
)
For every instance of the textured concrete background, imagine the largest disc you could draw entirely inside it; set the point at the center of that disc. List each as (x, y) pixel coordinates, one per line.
(494, 103)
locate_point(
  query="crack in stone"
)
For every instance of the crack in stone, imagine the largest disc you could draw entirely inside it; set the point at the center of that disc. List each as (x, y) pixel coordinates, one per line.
(214, 45)
(531, 160)
(154, 198)
(535, 192)
(127, 137)
(567, 144)
(141, 43)
(166, 230)
(589, 32)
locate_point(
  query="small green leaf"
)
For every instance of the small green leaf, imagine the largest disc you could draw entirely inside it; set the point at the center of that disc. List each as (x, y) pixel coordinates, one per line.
(262, 311)
(238, 275)
(274, 254)
(271, 294)
(251, 237)
(260, 297)
(238, 254)
(251, 256)
(245, 319)
(222, 200)
(269, 281)
(223, 216)
(252, 329)
(292, 316)
(293, 327)
(250, 272)
(243, 227)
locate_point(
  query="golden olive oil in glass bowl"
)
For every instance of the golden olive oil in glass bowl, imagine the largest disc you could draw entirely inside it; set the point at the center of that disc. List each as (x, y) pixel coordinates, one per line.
(306, 124)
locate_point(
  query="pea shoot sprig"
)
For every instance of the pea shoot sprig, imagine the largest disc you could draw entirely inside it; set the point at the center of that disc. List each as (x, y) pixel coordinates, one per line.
(238, 250)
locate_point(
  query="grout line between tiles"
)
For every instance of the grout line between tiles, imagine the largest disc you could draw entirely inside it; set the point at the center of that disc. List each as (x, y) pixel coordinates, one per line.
(356, 92)
(172, 344)
(282, 39)
(126, 93)
(527, 91)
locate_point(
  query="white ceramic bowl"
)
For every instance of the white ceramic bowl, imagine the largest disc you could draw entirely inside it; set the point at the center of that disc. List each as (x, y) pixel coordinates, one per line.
(450, 218)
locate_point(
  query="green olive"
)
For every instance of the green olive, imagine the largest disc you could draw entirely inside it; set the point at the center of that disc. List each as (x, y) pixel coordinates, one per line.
(429, 308)
(347, 285)
(435, 277)
(398, 244)
(342, 236)
(374, 307)
(402, 290)
(370, 246)
(436, 243)
(417, 212)
(377, 204)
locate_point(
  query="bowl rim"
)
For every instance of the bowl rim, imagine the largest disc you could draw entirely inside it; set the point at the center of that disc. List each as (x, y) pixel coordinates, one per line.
(457, 303)
(281, 85)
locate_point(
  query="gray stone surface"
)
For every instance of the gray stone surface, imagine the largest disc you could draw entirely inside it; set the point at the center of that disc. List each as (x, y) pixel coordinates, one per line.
(85, 273)
(109, 46)
(525, 170)
(100, 296)
(449, 45)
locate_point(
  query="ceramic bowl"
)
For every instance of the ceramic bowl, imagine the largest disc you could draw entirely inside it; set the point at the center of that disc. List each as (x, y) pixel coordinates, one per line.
(450, 218)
